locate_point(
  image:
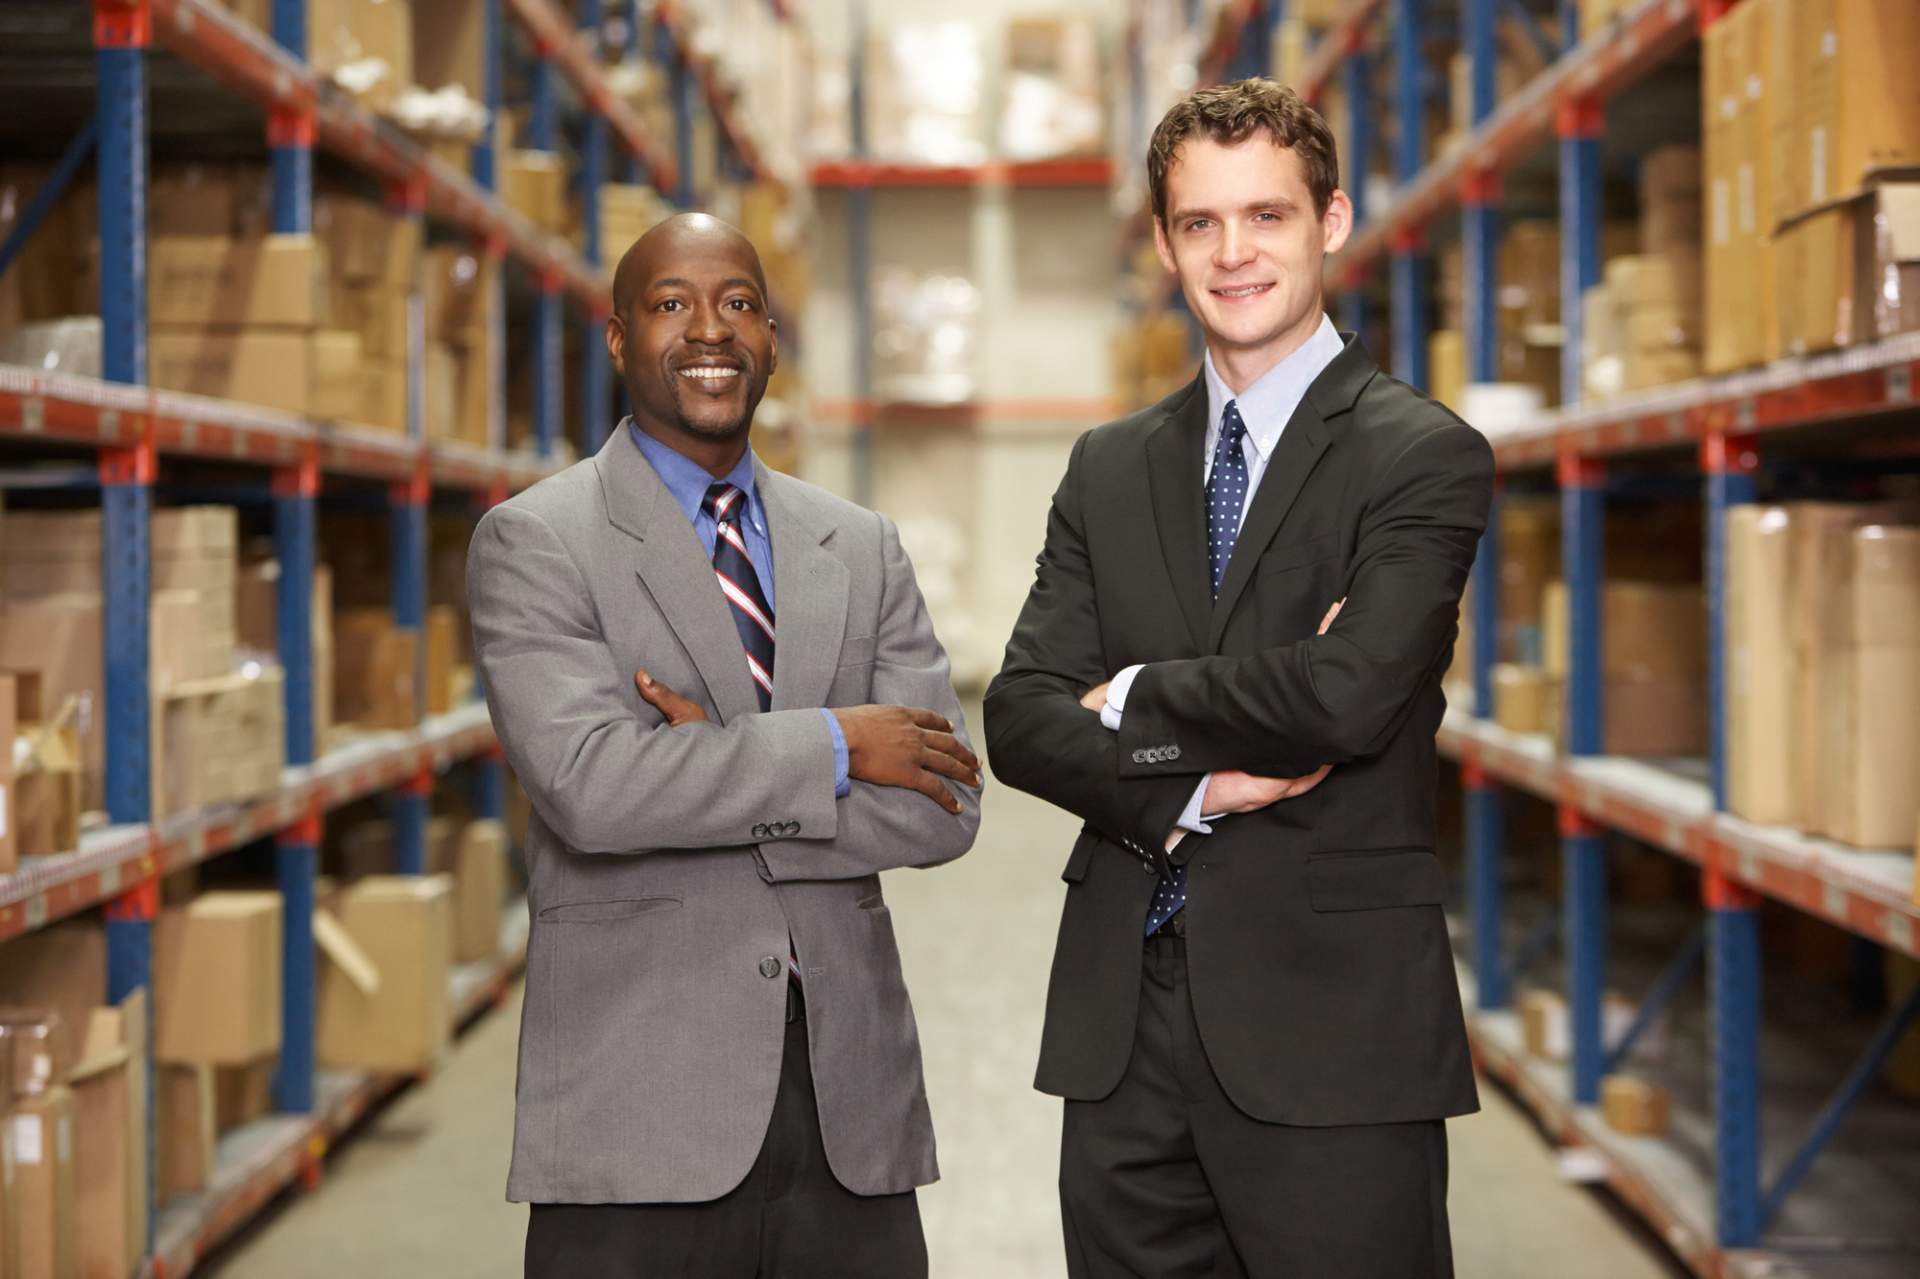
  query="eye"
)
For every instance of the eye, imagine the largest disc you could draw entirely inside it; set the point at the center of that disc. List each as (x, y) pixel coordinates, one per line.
(741, 304)
(1199, 224)
(670, 304)
(1266, 215)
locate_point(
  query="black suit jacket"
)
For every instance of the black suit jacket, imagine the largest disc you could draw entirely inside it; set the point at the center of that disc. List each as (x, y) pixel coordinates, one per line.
(1322, 978)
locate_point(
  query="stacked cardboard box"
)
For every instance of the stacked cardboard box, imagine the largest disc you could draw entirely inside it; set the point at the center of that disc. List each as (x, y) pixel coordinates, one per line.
(259, 637)
(375, 670)
(375, 266)
(460, 289)
(365, 47)
(1653, 660)
(479, 891)
(1053, 100)
(1637, 1107)
(219, 741)
(48, 786)
(1655, 301)
(628, 212)
(216, 984)
(455, 52)
(1740, 262)
(1871, 742)
(534, 185)
(1759, 665)
(110, 1141)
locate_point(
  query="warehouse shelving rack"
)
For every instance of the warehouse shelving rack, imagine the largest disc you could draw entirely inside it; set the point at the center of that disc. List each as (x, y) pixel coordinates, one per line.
(1718, 1225)
(131, 427)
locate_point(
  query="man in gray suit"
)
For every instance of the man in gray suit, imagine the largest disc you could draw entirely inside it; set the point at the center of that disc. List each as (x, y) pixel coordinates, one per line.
(719, 1072)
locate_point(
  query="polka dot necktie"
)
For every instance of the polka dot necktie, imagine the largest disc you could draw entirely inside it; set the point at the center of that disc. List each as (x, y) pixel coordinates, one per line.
(1226, 498)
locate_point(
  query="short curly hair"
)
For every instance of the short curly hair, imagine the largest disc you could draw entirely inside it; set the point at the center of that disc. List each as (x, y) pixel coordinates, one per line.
(1230, 114)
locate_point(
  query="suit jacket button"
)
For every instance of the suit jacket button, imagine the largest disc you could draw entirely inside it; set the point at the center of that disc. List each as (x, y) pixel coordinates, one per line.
(1173, 752)
(759, 830)
(789, 829)
(770, 966)
(1139, 757)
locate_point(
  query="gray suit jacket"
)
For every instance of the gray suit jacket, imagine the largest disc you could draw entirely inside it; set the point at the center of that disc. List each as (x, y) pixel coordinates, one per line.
(669, 866)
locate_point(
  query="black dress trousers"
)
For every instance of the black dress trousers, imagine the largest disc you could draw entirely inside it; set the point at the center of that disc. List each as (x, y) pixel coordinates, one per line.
(790, 1218)
(1166, 1178)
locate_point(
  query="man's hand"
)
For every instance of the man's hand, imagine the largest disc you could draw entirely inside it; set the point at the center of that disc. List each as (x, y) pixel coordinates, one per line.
(1095, 699)
(909, 748)
(676, 708)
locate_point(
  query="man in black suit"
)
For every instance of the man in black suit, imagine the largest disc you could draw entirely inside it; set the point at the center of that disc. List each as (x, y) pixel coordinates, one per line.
(1252, 1015)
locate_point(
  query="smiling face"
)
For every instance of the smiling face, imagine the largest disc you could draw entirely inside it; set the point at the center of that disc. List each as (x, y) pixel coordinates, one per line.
(691, 336)
(1242, 235)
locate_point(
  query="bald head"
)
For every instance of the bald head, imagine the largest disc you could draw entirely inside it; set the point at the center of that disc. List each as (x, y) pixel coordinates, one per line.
(681, 237)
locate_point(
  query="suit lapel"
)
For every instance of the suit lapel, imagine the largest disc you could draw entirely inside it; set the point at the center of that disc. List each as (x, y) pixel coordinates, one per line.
(810, 595)
(1176, 475)
(680, 579)
(1332, 394)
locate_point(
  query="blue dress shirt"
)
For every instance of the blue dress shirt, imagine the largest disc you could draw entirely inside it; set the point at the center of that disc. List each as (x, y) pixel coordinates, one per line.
(687, 481)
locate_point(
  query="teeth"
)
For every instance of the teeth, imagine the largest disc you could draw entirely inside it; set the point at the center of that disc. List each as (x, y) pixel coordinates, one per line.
(710, 375)
(1247, 292)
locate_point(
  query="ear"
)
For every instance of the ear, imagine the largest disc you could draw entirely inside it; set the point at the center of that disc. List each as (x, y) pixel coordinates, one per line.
(1161, 246)
(1337, 225)
(773, 345)
(617, 344)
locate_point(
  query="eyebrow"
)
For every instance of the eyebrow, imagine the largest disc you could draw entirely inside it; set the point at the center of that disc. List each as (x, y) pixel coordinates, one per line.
(1272, 202)
(732, 282)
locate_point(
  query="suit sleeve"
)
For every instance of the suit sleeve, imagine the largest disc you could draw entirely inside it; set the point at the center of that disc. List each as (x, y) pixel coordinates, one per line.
(597, 762)
(886, 827)
(1039, 737)
(1341, 696)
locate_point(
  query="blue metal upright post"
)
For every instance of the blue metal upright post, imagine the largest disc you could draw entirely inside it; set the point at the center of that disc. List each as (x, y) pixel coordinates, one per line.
(1480, 197)
(122, 32)
(1357, 78)
(596, 402)
(1583, 844)
(1729, 463)
(1580, 212)
(1409, 269)
(632, 171)
(1733, 988)
(490, 784)
(296, 865)
(486, 158)
(547, 315)
(408, 505)
(680, 88)
(1486, 843)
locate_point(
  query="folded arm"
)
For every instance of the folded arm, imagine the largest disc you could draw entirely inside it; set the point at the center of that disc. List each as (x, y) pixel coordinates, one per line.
(884, 827)
(1339, 696)
(606, 775)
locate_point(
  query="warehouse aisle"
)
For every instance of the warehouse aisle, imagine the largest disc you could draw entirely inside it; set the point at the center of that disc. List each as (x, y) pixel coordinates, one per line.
(418, 1193)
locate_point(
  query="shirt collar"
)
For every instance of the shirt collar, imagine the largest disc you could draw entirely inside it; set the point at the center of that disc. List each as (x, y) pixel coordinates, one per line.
(1268, 404)
(687, 481)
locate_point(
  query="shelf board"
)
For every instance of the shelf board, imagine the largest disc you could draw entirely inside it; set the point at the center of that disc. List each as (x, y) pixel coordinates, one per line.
(553, 32)
(262, 1159)
(1868, 892)
(61, 408)
(112, 860)
(202, 33)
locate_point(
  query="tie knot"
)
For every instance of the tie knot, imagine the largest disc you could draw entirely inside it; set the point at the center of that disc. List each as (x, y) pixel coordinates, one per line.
(1232, 425)
(722, 500)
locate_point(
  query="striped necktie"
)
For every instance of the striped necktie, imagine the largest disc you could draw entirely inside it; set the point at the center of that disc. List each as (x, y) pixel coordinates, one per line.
(1226, 499)
(726, 505)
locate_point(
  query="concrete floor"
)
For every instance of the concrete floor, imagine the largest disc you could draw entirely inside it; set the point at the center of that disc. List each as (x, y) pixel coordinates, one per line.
(418, 1192)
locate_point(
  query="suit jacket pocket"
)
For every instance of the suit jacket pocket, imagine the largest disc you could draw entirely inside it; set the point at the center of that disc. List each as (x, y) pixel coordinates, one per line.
(606, 911)
(1375, 879)
(857, 651)
(1294, 555)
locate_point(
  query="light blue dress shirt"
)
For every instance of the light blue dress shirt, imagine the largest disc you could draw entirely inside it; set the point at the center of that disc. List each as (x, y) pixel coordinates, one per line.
(1266, 407)
(687, 481)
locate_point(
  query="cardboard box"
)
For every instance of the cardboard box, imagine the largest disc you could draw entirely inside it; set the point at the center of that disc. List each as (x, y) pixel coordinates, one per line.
(9, 816)
(275, 281)
(367, 244)
(9, 1225)
(218, 741)
(385, 402)
(443, 653)
(479, 891)
(268, 367)
(48, 786)
(1633, 1106)
(456, 52)
(110, 1142)
(193, 198)
(216, 979)
(1523, 698)
(1872, 746)
(477, 388)
(1849, 100)
(377, 311)
(337, 389)
(1544, 1025)
(442, 392)
(458, 287)
(242, 1093)
(43, 1186)
(1821, 535)
(1657, 717)
(59, 971)
(534, 185)
(1648, 630)
(403, 924)
(186, 1134)
(374, 670)
(1735, 78)
(1759, 666)
(1815, 271)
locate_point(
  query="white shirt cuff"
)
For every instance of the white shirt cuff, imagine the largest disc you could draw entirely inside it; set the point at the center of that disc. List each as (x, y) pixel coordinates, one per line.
(1117, 698)
(1192, 818)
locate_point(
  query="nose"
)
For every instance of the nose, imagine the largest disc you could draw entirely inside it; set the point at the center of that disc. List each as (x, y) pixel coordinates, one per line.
(1234, 249)
(710, 325)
